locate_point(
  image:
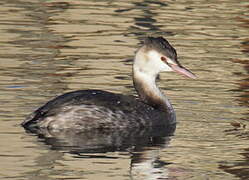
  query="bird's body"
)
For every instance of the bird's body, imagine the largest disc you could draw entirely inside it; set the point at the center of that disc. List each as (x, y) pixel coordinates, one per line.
(100, 110)
(97, 109)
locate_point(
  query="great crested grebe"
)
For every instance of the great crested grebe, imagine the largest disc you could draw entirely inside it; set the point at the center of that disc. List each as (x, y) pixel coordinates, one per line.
(97, 109)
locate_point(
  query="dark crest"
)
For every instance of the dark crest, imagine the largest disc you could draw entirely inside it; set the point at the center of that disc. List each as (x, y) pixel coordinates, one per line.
(161, 45)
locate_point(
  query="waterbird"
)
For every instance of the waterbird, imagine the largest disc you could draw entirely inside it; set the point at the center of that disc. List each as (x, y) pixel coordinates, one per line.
(97, 109)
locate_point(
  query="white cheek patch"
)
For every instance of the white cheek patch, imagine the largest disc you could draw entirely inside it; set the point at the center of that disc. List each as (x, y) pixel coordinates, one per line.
(154, 55)
(156, 62)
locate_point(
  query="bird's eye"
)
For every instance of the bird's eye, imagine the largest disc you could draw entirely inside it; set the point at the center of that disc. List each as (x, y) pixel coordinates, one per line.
(164, 59)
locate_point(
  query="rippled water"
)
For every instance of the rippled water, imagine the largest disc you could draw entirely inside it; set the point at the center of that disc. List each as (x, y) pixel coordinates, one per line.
(52, 47)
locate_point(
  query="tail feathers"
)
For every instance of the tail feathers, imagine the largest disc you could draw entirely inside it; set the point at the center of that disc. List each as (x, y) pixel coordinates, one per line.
(31, 119)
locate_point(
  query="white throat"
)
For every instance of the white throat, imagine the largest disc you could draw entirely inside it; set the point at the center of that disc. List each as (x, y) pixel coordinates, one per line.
(145, 71)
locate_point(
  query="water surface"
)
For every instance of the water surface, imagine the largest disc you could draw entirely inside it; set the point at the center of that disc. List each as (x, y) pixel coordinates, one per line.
(52, 47)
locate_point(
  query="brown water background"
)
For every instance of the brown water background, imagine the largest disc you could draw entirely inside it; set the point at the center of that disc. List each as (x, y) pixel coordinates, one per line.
(52, 47)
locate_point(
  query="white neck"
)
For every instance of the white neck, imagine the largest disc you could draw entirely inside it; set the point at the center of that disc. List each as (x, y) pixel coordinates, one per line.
(144, 79)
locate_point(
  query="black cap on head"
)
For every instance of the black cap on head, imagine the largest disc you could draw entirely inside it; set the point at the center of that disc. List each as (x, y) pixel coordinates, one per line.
(161, 45)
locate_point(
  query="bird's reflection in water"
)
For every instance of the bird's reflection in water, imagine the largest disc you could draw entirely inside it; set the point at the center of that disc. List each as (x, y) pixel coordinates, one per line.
(146, 163)
(143, 145)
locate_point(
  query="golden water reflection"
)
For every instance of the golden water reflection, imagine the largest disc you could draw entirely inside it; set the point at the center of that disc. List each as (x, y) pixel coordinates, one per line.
(52, 47)
(241, 168)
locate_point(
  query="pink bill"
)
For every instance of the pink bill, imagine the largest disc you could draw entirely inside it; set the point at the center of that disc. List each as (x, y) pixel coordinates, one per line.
(183, 71)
